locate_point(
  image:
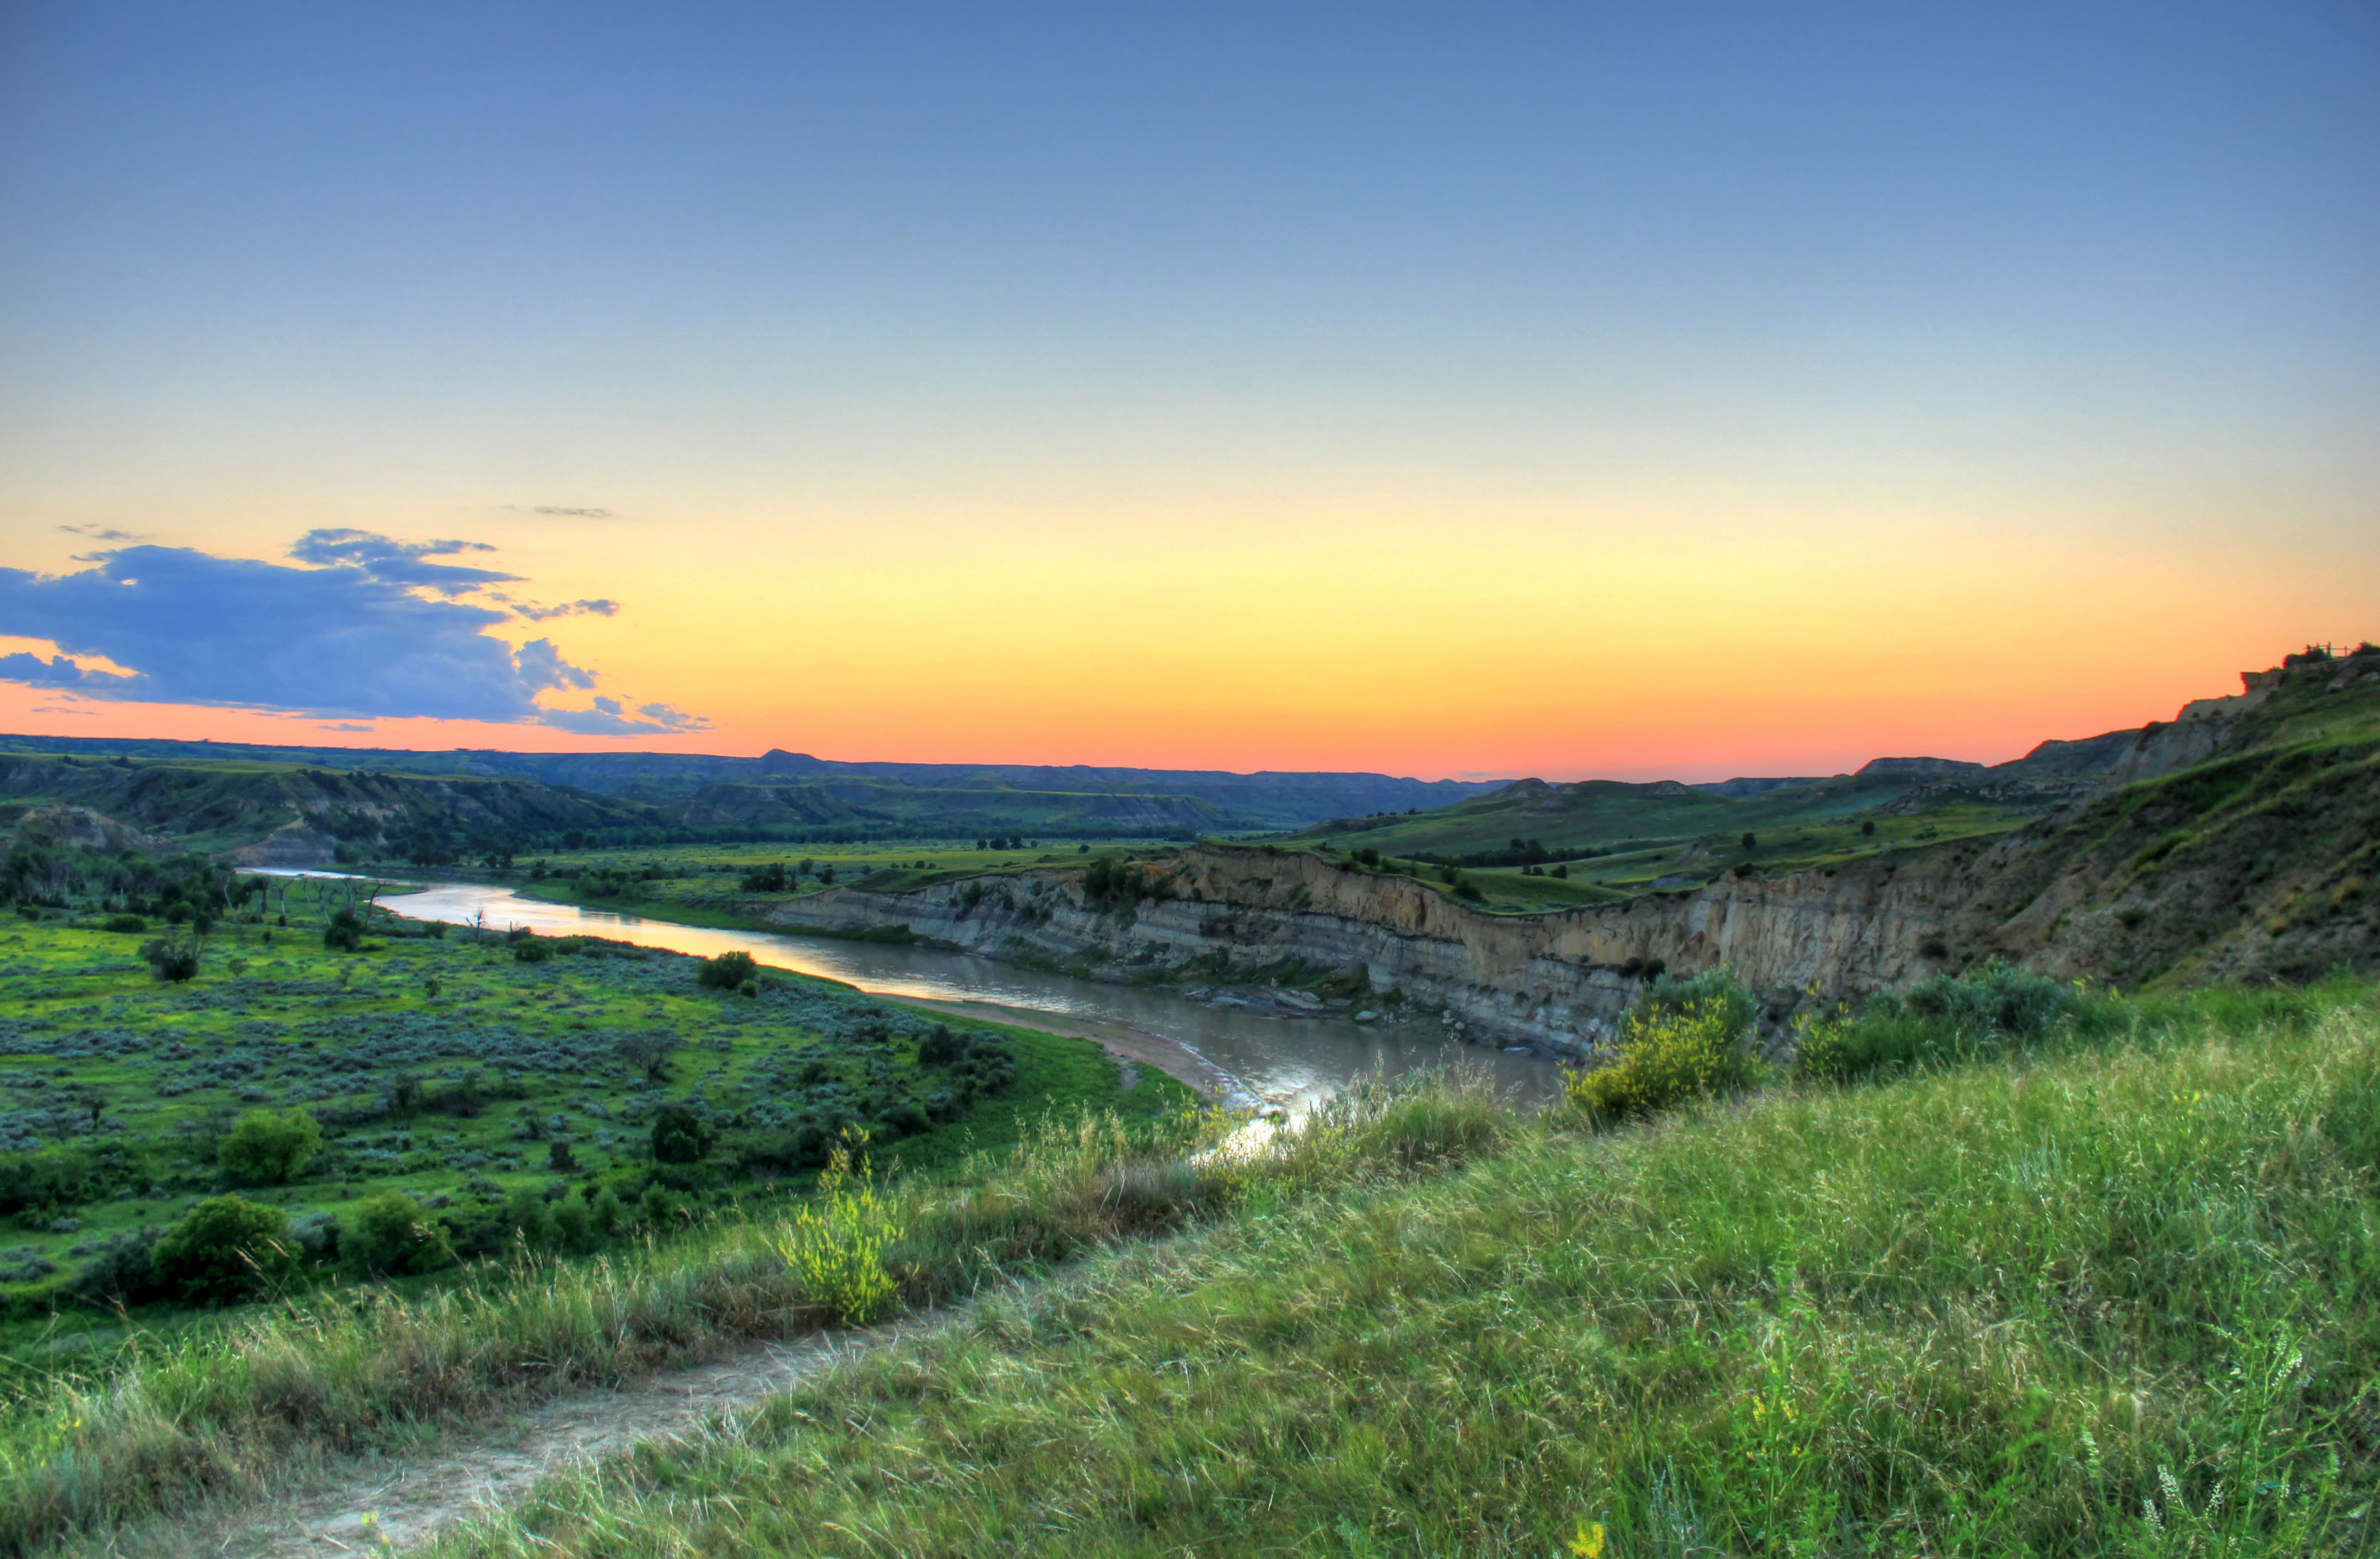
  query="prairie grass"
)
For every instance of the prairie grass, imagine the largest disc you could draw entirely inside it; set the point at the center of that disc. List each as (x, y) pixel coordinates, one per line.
(212, 1417)
(2119, 1301)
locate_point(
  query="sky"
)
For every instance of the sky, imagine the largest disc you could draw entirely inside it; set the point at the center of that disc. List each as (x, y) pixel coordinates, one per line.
(1625, 390)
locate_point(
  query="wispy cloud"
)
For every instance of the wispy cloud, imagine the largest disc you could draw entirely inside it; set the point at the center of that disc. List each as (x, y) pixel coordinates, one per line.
(609, 717)
(560, 512)
(533, 612)
(99, 534)
(399, 562)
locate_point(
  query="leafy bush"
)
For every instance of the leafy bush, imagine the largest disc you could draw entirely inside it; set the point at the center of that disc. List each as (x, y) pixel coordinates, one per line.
(1992, 1008)
(124, 923)
(532, 949)
(1994, 999)
(1668, 1055)
(529, 1217)
(173, 957)
(1665, 992)
(574, 1223)
(392, 1233)
(268, 1147)
(941, 1046)
(835, 1245)
(680, 1136)
(345, 933)
(226, 1249)
(728, 971)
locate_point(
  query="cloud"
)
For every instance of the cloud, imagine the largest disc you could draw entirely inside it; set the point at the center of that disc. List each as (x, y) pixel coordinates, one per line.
(344, 725)
(102, 535)
(352, 640)
(399, 562)
(63, 709)
(531, 612)
(541, 666)
(608, 718)
(572, 513)
(57, 671)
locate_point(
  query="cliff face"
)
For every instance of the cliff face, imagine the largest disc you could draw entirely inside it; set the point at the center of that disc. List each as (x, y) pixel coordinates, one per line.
(1557, 981)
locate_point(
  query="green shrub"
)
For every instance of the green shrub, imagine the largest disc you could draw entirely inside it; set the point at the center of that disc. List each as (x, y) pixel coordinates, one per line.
(1666, 1056)
(173, 957)
(392, 1233)
(532, 949)
(940, 1047)
(728, 971)
(226, 1249)
(529, 1217)
(122, 1271)
(574, 1223)
(1991, 1009)
(836, 1245)
(269, 1147)
(680, 1136)
(124, 923)
(345, 933)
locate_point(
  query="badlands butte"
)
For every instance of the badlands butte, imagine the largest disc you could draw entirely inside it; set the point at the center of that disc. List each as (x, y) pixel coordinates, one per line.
(2240, 842)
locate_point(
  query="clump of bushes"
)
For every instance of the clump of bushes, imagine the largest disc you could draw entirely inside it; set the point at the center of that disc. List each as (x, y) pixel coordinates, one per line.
(224, 1250)
(532, 949)
(392, 1233)
(268, 1147)
(1992, 1008)
(1685, 1040)
(729, 970)
(680, 1136)
(173, 958)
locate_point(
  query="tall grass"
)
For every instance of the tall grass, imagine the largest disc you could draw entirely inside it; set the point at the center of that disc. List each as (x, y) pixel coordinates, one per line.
(2116, 1301)
(218, 1415)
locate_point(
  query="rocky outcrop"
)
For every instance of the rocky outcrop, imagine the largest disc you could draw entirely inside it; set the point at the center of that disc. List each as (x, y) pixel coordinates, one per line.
(1558, 980)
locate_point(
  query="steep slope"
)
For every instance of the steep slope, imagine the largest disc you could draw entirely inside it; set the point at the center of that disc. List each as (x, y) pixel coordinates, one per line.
(2259, 863)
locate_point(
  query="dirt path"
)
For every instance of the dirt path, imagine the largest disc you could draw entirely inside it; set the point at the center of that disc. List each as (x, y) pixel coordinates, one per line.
(375, 1506)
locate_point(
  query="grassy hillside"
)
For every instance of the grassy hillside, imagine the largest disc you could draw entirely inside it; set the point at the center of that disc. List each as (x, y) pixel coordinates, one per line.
(2121, 1301)
(2098, 1284)
(2262, 861)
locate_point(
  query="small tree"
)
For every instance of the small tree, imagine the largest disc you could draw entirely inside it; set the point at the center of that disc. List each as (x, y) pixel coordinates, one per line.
(1751, 841)
(649, 1052)
(1868, 827)
(226, 1249)
(173, 957)
(268, 1147)
(345, 933)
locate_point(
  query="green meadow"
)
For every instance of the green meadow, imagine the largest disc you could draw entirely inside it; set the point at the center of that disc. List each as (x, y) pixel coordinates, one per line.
(471, 1075)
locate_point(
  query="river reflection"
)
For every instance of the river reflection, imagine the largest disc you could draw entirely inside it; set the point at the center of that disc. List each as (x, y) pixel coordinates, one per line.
(1289, 1063)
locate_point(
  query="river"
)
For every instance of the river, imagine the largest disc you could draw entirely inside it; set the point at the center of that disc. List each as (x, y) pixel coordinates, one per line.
(1250, 1058)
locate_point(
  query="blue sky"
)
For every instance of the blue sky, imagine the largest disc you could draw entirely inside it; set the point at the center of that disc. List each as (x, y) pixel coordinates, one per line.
(1109, 288)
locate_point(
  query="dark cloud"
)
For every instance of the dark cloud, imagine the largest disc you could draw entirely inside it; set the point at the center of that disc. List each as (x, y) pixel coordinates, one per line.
(572, 513)
(352, 640)
(399, 562)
